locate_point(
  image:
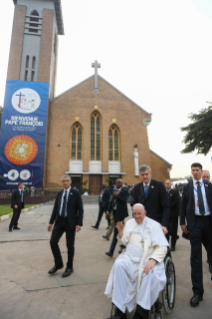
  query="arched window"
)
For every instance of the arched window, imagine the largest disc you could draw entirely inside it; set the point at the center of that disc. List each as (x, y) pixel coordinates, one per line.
(27, 62)
(95, 150)
(34, 25)
(76, 142)
(33, 62)
(114, 143)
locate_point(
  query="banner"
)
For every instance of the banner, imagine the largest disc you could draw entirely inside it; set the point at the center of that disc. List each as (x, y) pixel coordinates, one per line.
(23, 134)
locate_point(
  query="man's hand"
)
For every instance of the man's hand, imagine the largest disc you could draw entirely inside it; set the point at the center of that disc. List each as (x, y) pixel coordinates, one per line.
(16, 206)
(78, 228)
(184, 229)
(49, 227)
(150, 265)
(115, 193)
(165, 230)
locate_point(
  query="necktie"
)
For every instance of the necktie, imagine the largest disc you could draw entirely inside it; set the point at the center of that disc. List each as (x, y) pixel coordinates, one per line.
(22, 196)
(63, 213)
(200, 199)
(146, 187)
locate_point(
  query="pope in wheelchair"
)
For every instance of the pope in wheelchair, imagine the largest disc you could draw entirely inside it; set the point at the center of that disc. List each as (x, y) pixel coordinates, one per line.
(138, 274)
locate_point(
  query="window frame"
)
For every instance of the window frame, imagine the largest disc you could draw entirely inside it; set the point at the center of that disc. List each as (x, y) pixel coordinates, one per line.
(116, 129)
(76, 141)
(98, 116)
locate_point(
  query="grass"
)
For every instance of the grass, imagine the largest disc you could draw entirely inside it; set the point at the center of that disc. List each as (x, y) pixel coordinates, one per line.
(6, 209)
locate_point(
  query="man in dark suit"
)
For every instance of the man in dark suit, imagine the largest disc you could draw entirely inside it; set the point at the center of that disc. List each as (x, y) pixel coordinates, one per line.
(104, 198)
(118, 204)
(174, 204)
(68, 216)
(152, 194)
(17, 203)
(196, 209)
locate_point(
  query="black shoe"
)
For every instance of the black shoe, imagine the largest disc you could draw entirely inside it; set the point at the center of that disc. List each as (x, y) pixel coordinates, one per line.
(195, 300)
(172, 248)
(118, 315)
(16, 228)
(95, 227)
(122, 247)
(67, 272)
(109, 254)
(54, 270)
(210, 268)
(10, 229)
(105, 237)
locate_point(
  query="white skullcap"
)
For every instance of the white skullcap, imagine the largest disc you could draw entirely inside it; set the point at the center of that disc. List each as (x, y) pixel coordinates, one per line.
(140, 205)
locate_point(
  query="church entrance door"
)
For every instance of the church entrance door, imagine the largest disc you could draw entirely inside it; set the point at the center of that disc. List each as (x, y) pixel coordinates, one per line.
(95, 182)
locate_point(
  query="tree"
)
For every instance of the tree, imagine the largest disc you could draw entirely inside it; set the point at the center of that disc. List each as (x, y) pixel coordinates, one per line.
(1, 111)
(199, 133)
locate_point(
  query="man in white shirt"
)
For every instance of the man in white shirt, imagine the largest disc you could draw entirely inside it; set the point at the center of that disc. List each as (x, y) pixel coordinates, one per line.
(196, 209)
(140, 268)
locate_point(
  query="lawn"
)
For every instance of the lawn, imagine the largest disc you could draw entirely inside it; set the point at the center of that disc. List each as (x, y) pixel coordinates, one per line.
(6, 209)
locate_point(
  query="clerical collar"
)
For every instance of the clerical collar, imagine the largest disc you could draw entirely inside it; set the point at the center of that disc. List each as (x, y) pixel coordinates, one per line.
(195, 181)
(147, 184)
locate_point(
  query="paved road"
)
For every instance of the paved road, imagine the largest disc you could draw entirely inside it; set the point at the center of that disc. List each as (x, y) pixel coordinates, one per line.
(27, 291)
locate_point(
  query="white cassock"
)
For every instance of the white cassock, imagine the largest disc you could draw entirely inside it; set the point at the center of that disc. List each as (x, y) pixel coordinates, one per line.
(127, 283)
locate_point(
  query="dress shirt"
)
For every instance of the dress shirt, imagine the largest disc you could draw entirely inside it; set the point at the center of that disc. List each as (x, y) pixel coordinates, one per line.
(61, 205)
(202, 185)
(144, 185)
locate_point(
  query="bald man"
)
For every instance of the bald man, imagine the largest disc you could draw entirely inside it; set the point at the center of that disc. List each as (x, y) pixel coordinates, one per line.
(206, 176)
(174, 204)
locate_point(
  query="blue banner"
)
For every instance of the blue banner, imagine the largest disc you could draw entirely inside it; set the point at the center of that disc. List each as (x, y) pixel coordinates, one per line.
(23, 134)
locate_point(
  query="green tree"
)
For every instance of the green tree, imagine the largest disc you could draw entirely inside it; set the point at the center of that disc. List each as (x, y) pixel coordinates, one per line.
(199, 133)
(1, 111)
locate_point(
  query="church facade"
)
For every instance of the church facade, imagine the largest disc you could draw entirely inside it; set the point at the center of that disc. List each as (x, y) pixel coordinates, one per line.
(94, 132)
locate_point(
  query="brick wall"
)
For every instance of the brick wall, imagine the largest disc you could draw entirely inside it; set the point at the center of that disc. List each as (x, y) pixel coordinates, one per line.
(159, 168)
(16, 46)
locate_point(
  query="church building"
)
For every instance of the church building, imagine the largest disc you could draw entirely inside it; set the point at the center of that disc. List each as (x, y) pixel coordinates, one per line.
(94, 132)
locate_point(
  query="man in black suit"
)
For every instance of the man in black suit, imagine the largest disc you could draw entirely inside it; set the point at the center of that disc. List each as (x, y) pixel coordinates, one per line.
(152, 194)
(118, 204)
(17, 203)
(104, 198)
(196, 209)
(174, 204)
(68, 216)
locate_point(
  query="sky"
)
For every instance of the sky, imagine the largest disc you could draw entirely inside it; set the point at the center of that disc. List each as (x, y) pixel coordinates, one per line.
(158, 53)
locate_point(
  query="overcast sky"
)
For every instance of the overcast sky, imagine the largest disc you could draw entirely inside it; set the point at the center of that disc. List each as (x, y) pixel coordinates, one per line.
(158, 53)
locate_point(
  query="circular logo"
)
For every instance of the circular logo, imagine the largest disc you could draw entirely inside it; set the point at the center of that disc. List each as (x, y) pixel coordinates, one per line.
(13, 174)
(25, 174)
(26, 101)
(21, 150)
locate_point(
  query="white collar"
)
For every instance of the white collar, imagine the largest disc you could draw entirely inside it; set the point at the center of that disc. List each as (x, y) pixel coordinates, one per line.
(147, 184)
(66, 190)
(195, 181)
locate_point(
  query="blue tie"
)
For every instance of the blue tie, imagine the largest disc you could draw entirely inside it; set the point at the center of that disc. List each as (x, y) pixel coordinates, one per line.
(200, 199)
(63, 213)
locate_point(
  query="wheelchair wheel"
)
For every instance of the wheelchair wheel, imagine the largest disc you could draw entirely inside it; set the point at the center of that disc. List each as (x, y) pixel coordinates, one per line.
(155, 314)
(168, 293)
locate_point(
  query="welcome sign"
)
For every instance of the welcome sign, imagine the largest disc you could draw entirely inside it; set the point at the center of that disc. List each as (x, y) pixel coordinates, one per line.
(23, 134)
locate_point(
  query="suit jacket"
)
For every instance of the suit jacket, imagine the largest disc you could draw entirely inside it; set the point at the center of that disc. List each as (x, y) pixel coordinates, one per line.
(174, 202)
(187, 207)
(16, 199)
(121, 211)
(74, 208)
(105, 198)
(156, 203)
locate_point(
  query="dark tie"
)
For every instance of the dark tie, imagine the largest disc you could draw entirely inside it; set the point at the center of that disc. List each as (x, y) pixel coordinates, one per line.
(63, 213)
(200, 199)
(22, 197)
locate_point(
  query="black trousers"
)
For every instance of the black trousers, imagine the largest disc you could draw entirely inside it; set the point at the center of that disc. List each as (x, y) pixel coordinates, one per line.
(60, 227)
(173, 227)
(202, 228)
(102, 210)
(15, 218)
(115, 234)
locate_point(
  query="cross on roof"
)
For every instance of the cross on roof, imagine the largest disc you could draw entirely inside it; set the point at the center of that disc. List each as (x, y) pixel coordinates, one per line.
(96, 65)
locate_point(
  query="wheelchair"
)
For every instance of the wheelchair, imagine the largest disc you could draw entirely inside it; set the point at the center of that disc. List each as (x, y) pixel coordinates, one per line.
(167, 295)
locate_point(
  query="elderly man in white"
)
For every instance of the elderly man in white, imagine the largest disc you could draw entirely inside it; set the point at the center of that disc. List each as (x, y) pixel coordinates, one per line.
(138, 274)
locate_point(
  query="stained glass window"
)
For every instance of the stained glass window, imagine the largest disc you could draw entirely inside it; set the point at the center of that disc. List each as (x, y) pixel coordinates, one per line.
(95, 137)
(114, 144)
